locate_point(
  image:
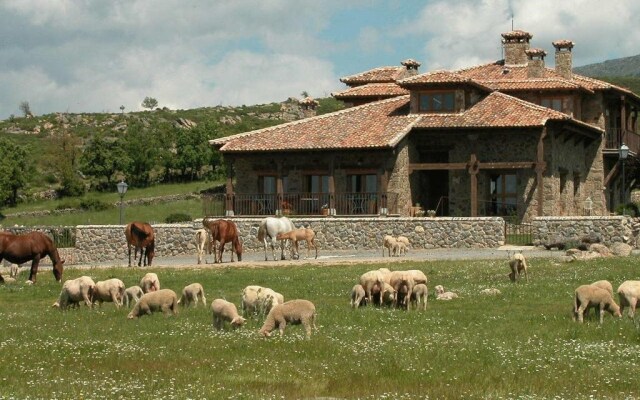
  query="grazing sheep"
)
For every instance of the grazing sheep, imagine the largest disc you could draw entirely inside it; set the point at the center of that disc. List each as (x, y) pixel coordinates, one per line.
(391, 244)
(587, 296)
(604, 284)
(629, 293)
(418, 276)
(403, 245)
(419, 296)
(259, 300)
(164, 300)
(225, 311)
(297, 235)
(357, 296)
(249, 303)
(150, 282)
(490, 292)
(293, 312)
(132, 293)
(369, 281)
(191, 293)
(442, 295)
(518, 264)
(110, 290)
(267, 298)
(74, 291)
(203, 244)
(402, 282)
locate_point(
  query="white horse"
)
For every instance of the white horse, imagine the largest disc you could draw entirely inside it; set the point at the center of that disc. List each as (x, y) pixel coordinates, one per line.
(270, 227)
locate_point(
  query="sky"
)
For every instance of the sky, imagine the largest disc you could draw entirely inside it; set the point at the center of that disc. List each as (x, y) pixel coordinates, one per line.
(79, 56)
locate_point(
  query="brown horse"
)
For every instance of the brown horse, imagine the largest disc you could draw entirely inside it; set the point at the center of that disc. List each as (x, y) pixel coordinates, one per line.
(141, 236)
(30, 246)
(223, 231)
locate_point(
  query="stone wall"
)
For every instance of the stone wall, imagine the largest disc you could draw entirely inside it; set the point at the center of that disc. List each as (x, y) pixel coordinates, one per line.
(613, 229)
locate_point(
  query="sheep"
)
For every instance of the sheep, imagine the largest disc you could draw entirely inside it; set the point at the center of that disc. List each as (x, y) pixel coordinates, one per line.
(164, 300)
(191, 293)
(203, 244)
(293, 312)
(419, 296)
(490, 292)
(13, 271)
(418, 276)
(222, 311)
(370, 280)
(110, 290)
(404, 244)
(587, 296)
(259, 300)
(442, 295)
(150, 282)
(249, 303)
(518, 264)
(74, 291)
(267, 298)
(629, 293)
(388, 294)
(402, 282)
(401, 248)
(132, 293)
(389, 243)
(357, 296)
(297, 235)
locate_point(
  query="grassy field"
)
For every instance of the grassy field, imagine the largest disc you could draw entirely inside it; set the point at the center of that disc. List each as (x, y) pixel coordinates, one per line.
(521, 344)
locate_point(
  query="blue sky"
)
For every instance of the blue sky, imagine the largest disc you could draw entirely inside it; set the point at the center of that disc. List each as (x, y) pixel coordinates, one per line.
(94, 55)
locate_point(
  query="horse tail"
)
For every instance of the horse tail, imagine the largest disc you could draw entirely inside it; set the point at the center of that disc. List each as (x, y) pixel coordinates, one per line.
(262, 231)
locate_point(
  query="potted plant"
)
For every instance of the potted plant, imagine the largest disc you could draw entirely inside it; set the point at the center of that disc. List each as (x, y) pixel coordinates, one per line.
(325, 209)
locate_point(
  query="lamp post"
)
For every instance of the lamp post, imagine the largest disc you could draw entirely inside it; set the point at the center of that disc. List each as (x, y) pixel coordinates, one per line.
(623, 153)
(122, 189)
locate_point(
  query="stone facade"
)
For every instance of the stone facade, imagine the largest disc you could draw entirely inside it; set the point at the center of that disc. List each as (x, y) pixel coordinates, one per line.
(610, 230)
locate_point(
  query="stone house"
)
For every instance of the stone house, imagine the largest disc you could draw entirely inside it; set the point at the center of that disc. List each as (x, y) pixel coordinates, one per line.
(509, 138)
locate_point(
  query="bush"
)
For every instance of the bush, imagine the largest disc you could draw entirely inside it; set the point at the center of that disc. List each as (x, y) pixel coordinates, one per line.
(630, 209)
(94, 205)
(178, 217)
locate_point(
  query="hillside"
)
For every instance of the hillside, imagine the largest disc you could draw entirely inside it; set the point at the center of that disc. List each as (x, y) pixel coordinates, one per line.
(626, 66)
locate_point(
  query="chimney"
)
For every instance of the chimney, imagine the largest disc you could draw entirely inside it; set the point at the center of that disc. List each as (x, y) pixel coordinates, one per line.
(515, 44)
(411, 68)
(563, 58)
(535, 67)
(308, 106)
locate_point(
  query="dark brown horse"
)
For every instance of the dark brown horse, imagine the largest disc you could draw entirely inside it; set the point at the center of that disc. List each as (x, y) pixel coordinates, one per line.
(32, 247)
(141, 236)
(223, 231)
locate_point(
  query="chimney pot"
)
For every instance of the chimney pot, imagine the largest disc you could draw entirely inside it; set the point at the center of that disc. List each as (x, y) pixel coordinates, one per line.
(564, 58)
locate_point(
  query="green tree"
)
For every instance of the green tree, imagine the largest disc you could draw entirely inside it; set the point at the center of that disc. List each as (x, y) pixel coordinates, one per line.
(102, 158)
(63, 159)
(150, 103)
(141, 152)
(191, 155)
(25, 108)
(15, 169)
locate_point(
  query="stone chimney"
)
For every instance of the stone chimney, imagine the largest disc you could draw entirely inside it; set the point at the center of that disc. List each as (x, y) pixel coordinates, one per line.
(563, 58)
(411, 68)
(515, 44)
(535, 66)
(308, 106)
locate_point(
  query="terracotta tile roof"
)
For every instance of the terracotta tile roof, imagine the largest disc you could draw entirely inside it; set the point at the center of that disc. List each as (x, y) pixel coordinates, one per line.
(380, 124)
(438, 78)
(376, 75)
(533, 84)
(376, 90)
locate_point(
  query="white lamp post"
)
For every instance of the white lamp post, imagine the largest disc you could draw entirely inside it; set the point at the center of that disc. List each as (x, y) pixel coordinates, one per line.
(122, 189)
(623, 153)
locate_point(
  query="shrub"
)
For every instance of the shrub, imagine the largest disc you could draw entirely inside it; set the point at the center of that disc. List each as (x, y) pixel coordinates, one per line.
(178, 217)
(630, 209)
(94, 205)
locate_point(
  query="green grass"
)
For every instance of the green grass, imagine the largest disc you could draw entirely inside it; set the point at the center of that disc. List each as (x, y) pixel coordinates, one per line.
(521, 344)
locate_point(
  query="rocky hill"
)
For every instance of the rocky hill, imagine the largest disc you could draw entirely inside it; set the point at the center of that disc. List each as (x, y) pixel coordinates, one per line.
(626, 66)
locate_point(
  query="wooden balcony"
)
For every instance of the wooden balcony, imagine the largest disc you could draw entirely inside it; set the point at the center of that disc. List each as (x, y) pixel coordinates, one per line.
(616, 137)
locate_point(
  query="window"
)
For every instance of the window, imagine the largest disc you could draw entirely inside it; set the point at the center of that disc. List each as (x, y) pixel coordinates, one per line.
(317, 183)
(267, 184)
(504, 194)
(362, 183)
(555, 103)
(437, 101)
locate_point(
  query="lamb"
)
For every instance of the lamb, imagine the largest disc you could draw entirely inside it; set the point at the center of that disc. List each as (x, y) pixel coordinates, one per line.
(132, 293)
(402, 283)
(225, 311)
(604, 284)
(419, 296)
(293, 312)
(629, 293)
(357, 296)
(191, 293)
(442, 295)
(258, 299)
(404, 244)
(297, 235)
(74, 291)
(388, 294)
(13, 271)
(391, 244)
(587, 296)
(110, 290)
(164, 300)
(518, 264)
(369, 281)
(150, 282)
(203, 244)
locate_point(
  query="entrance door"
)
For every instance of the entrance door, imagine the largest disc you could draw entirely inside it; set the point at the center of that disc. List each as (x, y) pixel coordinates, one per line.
(435, 191)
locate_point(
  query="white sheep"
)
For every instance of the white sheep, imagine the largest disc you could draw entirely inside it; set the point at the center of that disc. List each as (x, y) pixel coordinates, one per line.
(150, 282)
(191, 294)
(293, 312)
(604, 284)
(391, 244)
(249, 302)
(267, 298)
(518, 265)
(74, 291)
(13, 271)
(442, 295)
(419, 296)
(111, 290)
(164, 300)
(370, 281)
(357, 296)
(404, 244)
(203, 244)
(418, 276)
(587, 296)
(402, 283)
(629, 293)
(259, 300)
(222, 311)
(132, 293)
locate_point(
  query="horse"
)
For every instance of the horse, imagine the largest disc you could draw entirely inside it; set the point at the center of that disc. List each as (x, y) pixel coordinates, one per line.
(270, 227)
(141, 236)
(223, 231)
(30, 246)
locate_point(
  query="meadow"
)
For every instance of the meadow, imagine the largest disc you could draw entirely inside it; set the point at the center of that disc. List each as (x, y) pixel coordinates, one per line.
(521, 344)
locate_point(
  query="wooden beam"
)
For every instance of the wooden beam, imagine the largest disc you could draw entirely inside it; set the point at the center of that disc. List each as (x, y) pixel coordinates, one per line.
(473, 174)
(480, 165)
(612, 173)
(436, 166)
(540, 167)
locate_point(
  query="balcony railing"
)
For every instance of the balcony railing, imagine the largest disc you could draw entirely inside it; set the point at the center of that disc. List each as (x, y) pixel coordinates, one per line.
(616, 136)
(343, 204)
